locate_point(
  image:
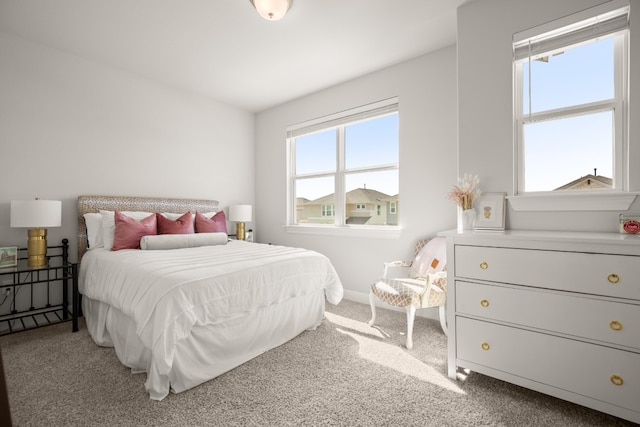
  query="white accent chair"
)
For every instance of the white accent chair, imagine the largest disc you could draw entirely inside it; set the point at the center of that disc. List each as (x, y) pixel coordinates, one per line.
(425, 286)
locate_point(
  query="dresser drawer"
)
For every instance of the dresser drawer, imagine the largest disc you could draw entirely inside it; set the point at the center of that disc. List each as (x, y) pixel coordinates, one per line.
(582, 316)
(598, 274)
(603, 373)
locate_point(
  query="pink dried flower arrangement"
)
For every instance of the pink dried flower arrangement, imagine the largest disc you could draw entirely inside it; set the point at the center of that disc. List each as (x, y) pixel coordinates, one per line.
(465, 192)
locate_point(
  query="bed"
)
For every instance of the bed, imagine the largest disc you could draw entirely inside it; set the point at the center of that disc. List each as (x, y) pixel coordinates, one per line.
(186, 315)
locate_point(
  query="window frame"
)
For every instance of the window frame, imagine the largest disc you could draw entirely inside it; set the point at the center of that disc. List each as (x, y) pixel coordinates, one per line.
(339, 122)
(618, 105)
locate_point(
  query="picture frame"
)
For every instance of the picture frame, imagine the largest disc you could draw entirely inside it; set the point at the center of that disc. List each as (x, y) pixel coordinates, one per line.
(490, 211)
(8, 256)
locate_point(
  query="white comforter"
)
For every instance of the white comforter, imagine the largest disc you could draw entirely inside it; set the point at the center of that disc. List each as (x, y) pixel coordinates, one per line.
(168, 292)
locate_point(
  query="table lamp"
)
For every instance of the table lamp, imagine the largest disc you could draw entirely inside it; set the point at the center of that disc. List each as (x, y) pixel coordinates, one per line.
(36, 215)
(240, 214)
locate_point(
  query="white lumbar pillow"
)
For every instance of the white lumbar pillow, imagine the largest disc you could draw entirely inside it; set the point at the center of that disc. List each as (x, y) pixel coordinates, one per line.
(178, 241)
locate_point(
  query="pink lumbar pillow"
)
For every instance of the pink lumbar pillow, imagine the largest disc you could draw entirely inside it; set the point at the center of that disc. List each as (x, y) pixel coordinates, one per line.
(181, 225)
(216, 224)
(129, 231)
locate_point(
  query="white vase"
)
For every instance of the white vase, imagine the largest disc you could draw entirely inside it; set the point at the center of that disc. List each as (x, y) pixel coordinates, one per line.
(466, 218)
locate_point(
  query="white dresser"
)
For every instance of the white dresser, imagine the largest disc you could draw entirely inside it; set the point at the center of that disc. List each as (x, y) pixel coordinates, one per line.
(556, 312)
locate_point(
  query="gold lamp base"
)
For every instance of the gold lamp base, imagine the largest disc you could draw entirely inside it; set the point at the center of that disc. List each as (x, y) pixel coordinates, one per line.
(240, 230)
(37, 247)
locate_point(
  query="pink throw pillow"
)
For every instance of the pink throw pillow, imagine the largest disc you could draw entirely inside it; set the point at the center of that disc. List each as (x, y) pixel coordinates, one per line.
(216, 224)
(181, 225)
(129, 231)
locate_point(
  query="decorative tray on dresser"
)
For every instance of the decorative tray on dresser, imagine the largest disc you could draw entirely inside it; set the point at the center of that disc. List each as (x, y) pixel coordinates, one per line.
(556, 312)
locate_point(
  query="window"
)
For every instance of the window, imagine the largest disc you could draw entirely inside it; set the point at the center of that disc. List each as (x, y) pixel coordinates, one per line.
(343, 169)
(570, 103)
(328, 210)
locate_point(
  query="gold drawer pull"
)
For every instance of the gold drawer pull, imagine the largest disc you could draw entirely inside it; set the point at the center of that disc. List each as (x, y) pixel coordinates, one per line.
(484, 265)
(613, 278)
(485, 346)
(615, 325)
(484, 303)
(616, 380)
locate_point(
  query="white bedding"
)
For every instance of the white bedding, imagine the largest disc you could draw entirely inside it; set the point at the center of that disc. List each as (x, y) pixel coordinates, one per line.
(167, 295)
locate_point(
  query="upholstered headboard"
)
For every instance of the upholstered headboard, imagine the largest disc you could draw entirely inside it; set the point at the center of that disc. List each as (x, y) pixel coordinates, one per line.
(145, 204)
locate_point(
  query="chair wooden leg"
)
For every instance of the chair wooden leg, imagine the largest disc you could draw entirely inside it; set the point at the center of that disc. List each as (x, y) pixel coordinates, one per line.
(411, 315)
(443, 320)
(372, 302)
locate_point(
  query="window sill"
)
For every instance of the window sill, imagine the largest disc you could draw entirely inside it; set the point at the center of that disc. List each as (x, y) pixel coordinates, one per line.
(387, 232)
(573, 202)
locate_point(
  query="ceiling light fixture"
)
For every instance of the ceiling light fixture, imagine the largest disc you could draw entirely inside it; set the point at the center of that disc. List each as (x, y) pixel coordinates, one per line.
(272, 10)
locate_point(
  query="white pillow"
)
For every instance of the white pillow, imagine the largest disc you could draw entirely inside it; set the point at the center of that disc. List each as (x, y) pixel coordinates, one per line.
(178, 241)
(432, 258)
(95, 237)
(175, 216)
(109, 225)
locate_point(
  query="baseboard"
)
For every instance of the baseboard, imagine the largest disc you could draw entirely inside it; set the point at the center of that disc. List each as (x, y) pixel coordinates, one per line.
(362, 298)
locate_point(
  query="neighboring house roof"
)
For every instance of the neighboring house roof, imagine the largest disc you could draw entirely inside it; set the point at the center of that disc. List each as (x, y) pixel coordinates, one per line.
(393, 198)
(588, 181)
(329, 199)
(301, 201)
(364, 195)
(359, 195)
(359, 220)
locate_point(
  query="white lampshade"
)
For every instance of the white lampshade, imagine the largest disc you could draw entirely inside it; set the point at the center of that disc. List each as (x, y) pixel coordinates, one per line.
(240, 213)
(272, 10)
(36, 213)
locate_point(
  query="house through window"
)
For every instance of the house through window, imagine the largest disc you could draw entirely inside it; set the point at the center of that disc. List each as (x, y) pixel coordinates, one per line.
(570, 102)
(344, 168)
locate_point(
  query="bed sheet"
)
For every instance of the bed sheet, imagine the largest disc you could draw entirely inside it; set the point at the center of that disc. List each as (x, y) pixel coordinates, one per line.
(169, 294)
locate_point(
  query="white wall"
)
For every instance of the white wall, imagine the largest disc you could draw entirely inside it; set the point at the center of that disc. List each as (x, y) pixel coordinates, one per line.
(426, 87)
(70, 127)
(485, 30)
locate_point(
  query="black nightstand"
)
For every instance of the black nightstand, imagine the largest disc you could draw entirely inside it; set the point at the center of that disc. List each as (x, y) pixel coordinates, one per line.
(26, 293)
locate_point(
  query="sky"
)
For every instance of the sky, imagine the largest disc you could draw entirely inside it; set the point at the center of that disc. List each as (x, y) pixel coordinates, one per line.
(373, 142)
(560, 151)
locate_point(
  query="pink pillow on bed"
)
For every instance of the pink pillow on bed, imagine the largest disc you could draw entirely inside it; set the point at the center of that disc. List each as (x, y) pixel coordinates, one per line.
(129, 231)
(216, 224)
(181, 225)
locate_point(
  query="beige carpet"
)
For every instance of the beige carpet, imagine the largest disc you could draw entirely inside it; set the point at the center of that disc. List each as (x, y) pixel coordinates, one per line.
(342, 374)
